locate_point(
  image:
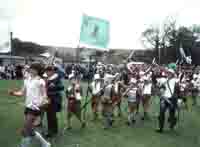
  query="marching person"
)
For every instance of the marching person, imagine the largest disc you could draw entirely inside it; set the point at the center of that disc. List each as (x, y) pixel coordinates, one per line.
(95, 89)
(26, 72)
(54, 92)
(147, 94)
(183, 84)
(186, 87)
(106, 99)
(168, 99)
(139, 94)
(34, 90)
(74, 96)
(117, 95)
(195, 88)
(132, 101)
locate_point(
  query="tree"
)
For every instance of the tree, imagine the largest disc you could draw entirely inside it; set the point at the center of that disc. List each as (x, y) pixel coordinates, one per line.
(168, 38)
(152, 37)
(195, 28)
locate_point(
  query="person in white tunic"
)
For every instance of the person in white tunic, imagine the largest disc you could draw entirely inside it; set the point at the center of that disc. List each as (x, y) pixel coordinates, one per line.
(195, 87)
(34, 90)
(106, 100)
(132, 100)
(146, 94)
(95, 90)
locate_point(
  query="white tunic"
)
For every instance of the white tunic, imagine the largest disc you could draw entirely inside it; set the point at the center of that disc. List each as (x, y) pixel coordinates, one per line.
(169, 89)
(35, 92)
(107, 91)
(147, 84)
(132, 95)
(76, 92)
(96, 86)
(147, 88)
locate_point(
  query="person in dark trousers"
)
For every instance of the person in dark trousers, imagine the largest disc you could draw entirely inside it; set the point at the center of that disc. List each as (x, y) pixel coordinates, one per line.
(168, 100)
(54, 93)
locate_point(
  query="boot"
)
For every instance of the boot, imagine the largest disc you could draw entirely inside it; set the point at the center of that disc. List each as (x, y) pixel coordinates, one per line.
(83, 124)
(108, 121)
(131, 120)
(146, 116)
(173, 122)
(161, 125)
(95, 116)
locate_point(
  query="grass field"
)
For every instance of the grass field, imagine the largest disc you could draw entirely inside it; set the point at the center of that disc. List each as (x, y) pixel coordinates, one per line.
(141, 135)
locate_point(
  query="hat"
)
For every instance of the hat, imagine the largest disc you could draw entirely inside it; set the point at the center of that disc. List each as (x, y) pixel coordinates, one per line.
(26, 66)
(172, 66)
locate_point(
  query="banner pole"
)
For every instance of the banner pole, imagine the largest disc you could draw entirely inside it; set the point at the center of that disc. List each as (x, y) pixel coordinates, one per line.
(11, 46)
(87, 93)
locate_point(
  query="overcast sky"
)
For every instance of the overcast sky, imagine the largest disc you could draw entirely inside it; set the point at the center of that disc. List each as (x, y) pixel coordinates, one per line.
(57, 22)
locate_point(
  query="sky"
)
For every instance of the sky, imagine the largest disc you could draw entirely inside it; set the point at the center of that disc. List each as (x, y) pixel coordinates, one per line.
(57, 22)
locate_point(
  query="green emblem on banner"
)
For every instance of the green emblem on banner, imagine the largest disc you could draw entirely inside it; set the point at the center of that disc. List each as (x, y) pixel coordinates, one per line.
(94, 31)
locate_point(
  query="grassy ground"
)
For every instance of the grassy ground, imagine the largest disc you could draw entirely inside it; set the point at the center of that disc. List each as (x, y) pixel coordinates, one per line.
(141, 135)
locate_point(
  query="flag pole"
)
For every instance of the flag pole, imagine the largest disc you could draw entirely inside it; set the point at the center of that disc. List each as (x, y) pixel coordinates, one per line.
(11, 46)
(88, 84)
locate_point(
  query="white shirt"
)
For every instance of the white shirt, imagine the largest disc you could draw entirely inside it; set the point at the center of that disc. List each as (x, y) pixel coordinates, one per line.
(109, 77)
(148, 85)
(167, 93)
(35, 92)
(147, 88)
(107, 90)
(132, 94)
(76, 92)
(96, 86)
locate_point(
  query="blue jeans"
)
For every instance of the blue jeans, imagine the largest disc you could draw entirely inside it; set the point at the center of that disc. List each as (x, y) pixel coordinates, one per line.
(171, 104)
